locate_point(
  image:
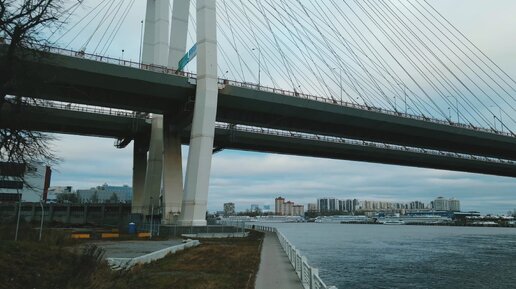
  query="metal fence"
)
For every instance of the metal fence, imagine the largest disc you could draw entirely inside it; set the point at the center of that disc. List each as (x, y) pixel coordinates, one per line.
(308, 275)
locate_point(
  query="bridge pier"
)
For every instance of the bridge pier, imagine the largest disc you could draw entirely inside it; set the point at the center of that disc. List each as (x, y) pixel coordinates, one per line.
(155, 51)
(195, 200)
(140, 149)
(152, 187)
(172, 196)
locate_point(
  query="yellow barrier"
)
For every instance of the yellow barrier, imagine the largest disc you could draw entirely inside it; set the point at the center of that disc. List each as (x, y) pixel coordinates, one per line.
(80, 236)
(109, 235)
(144, 235)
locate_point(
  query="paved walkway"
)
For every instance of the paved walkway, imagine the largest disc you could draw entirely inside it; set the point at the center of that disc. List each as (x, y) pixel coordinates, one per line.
(276, 271)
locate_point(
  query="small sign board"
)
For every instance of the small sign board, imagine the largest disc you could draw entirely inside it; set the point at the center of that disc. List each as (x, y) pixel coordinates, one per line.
(187, 58)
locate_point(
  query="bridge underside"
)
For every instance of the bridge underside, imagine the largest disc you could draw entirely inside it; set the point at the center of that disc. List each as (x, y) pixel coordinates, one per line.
(73, 79)
(113, 126)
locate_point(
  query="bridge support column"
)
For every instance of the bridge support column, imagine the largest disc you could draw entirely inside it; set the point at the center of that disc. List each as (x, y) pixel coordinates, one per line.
(172, 197)
(178, 32)
(155, 39)
(139, 170)
(194, 206)
(152, 187)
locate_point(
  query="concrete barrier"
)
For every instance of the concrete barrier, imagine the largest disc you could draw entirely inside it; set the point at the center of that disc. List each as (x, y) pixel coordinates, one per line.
(126, 263)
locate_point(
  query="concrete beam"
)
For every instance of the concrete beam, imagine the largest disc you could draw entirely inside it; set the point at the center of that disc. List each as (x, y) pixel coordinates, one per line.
(194, 207)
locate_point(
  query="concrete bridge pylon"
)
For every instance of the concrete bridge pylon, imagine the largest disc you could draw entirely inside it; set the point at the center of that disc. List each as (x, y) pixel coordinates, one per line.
(198, 168)
(166, 45)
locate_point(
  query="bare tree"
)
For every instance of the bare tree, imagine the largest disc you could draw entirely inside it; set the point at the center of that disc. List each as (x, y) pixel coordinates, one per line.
(22, 23)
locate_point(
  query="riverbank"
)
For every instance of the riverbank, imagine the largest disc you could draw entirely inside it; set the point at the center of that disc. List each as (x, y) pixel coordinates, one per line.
(58, 263)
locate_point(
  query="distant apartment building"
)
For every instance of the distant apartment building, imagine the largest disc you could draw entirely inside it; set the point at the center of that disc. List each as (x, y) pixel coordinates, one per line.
(416, 205)
(454, 205)
(229, 209)
(298, 210)
(278, 205)
(29, 183)
(288, 208)
(312, 207)
(106, 194)
(442, 204)
(327, 205)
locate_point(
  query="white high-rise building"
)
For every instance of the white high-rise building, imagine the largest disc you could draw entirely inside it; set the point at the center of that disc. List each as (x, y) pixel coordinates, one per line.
(454, 205)
(31, 183)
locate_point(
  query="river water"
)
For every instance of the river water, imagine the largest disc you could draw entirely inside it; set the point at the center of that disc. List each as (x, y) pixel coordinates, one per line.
(403, 256)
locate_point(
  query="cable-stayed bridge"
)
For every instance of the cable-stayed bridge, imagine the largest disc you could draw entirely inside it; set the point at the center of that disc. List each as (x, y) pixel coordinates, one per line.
(343, 102)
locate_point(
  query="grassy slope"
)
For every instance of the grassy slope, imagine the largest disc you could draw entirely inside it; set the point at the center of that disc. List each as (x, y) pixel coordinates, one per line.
(214, 264)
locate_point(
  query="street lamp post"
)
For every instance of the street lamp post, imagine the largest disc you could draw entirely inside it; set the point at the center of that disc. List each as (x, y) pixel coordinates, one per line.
(19, 213)
(259, 64)
(494, 117)
(501, 122)
(402, 86)
(456, 107)
(340, 82)
(42, 218)
(141, 41)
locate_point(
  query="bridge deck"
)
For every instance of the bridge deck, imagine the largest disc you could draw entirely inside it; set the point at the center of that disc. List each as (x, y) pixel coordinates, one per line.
(74, 79)
(120, 125)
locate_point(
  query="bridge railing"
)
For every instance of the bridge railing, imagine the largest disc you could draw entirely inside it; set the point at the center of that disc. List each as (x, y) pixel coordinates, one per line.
(261, 130)
(84, 108)
(164, 69)
(308, 275)
(314, 137)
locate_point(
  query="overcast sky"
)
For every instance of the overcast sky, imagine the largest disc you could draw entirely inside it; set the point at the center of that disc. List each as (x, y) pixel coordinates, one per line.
(252, 178)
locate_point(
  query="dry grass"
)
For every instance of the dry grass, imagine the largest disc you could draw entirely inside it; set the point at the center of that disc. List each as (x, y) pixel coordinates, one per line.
(228, 263)
(225, 263)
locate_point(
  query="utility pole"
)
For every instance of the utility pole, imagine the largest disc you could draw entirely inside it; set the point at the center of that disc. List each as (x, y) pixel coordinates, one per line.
(19, 213)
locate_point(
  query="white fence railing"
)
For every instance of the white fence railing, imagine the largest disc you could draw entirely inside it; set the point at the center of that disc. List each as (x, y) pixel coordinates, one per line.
(308, 275)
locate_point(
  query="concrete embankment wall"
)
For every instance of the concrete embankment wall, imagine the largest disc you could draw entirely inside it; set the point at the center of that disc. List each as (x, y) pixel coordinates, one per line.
(308, 275)
(99, 214)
